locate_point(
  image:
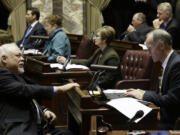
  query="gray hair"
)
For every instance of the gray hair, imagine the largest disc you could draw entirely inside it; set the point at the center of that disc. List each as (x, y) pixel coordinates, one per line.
(141, 17)
(161, 35)
(5, 50)
(166, 6)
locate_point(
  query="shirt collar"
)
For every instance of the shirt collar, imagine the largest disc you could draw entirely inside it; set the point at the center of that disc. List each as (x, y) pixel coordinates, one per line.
(34, 23)
(166, 60)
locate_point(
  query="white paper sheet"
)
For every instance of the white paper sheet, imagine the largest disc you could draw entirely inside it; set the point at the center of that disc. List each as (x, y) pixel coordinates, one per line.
(129, 106)
(69, 66)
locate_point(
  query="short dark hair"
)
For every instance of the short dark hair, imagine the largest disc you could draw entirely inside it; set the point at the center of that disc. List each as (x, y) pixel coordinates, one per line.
(35, 11)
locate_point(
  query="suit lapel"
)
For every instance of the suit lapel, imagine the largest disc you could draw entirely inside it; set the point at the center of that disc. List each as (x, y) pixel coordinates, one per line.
(167, 70)
(168, 24)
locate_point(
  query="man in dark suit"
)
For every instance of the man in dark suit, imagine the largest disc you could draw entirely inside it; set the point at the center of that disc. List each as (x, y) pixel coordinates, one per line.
(19, 112)
(34, 28)
(159, 43)
(138, 30)
(166, 21)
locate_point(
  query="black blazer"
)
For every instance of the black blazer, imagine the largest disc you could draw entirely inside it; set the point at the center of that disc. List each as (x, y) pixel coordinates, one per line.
(168, 98)
(139, 35)
(16, 109)
(29, 43)
(172, 28)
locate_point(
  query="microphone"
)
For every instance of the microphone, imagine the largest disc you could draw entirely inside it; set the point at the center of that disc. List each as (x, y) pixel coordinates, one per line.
(39, 37)
(103, 67)
(65, 64)
(138, 115)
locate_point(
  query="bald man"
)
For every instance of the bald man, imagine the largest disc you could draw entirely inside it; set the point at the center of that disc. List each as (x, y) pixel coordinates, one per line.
(19, 115)
(138, 30)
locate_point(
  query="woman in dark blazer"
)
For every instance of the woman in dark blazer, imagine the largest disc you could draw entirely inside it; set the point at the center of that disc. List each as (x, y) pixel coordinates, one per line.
(104, 55)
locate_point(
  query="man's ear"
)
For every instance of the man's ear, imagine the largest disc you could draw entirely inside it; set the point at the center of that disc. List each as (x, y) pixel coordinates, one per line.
(161, 45)
(3, 60)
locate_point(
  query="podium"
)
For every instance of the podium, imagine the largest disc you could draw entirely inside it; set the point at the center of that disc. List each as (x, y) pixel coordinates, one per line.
(81, 108)
(38, 70)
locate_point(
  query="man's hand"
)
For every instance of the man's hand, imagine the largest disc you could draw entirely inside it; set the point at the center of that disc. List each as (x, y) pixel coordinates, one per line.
(66, 87)
(130, 28)
(50, 116)
(135, 93)
(157, 23)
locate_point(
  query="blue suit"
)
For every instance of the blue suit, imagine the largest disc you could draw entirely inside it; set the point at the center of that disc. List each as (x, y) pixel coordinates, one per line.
(29, 43)
(58, 45)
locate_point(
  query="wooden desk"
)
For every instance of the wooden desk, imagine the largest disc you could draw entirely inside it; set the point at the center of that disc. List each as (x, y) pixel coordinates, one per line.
(81, 108)
(38, 70)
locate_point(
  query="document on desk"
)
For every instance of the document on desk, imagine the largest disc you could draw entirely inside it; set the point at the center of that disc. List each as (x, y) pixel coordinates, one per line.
(68, 67)
(32, 52)
(129, 106)
(114, 93)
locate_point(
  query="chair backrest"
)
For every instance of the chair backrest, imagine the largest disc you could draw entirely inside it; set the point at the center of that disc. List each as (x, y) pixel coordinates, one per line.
(136, 64)
(86, 48)
(177, 124)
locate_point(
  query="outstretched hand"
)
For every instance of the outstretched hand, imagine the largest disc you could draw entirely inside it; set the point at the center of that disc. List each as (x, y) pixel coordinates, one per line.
(66, 87)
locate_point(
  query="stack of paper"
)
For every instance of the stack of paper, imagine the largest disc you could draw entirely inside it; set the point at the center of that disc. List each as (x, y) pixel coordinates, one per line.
(32, 52)
(69, 66)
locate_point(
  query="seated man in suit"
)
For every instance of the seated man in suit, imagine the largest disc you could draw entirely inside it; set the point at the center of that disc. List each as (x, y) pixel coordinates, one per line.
(138, 30)
(159, 44)
(105, 55)
(166, 21)
(34, 28)
(19, 111)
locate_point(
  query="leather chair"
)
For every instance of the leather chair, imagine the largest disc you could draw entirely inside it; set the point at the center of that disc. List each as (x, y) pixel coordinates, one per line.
(177, 124)
(86, 48)
(137, 70)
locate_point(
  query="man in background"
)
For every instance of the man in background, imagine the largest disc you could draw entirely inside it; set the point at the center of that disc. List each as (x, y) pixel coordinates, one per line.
(34, 28)
(166, 21)
(138, 30)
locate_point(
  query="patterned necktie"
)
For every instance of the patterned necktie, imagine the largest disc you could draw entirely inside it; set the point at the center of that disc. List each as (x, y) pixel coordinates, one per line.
(26, 34)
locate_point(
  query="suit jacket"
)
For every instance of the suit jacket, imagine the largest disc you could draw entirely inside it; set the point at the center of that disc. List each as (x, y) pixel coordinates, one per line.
(17, 113)
(168, 98)
(172, 28)
(139, 35)
(109, 57)
(58, 45)
(29, 43)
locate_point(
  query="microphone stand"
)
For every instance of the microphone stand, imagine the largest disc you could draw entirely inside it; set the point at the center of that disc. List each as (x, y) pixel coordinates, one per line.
(94, 83)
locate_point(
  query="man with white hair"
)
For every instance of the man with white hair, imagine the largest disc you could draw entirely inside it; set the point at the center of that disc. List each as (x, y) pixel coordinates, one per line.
(19, 112)
(159, 44)
(166, 21)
